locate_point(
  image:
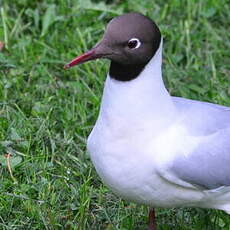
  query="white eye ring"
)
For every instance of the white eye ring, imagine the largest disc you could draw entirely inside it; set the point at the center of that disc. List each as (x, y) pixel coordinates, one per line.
(134, 43)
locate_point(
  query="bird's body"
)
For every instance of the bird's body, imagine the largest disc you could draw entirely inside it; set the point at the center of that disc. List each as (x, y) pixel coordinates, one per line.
(150, 147)
(138, 136)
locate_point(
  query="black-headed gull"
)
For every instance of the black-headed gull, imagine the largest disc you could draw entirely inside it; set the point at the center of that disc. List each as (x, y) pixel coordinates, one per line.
(150, 147)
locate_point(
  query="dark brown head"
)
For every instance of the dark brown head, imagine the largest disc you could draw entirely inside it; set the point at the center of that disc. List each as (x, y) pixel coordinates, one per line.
(130, 41)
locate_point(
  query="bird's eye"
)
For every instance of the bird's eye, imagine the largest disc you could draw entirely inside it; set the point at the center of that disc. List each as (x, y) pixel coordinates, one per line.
(134, 43)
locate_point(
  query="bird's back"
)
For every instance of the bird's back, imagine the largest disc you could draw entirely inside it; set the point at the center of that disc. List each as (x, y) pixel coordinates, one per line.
(202, 118)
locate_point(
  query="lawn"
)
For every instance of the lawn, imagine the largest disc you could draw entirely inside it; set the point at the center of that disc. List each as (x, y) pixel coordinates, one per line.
(46, 112)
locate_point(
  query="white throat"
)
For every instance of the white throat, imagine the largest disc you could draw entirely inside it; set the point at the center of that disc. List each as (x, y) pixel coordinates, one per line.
(144, 98)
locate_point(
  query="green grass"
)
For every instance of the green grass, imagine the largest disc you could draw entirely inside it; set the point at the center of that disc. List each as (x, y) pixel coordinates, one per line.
(46, 113)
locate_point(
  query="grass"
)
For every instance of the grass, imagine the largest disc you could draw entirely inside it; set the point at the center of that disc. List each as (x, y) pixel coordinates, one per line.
(46, 113)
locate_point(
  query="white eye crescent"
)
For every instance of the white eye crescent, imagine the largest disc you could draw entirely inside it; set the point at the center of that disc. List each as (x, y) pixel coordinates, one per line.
(134, 43)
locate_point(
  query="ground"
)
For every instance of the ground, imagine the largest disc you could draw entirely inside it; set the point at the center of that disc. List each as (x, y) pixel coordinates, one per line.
(46, 113)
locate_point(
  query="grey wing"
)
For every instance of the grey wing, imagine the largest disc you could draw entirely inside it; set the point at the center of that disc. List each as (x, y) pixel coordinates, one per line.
(208, 166)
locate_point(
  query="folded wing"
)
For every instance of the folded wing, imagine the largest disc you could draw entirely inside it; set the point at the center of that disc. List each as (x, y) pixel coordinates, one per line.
(208, 165)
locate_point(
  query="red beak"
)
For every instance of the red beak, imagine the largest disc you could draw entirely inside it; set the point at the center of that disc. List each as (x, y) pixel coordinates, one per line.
(89, 55)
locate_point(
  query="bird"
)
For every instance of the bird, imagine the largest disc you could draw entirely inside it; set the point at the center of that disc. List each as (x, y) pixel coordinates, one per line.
(147, 146)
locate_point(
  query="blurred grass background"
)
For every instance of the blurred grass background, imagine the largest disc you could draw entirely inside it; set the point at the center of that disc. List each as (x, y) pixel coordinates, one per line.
(46, 113)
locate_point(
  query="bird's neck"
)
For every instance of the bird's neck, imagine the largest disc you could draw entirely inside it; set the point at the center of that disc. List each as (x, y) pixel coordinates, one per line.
(121, 72)
(143, 98)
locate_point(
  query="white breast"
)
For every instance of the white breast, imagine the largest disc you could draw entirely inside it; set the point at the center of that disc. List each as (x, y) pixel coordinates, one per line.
(128, 162)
